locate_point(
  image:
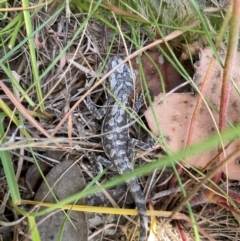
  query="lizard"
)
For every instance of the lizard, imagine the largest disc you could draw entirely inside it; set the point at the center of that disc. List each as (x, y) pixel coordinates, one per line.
(116, 141)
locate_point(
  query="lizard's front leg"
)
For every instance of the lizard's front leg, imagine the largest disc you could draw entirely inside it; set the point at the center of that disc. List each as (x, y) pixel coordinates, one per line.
(138, 103)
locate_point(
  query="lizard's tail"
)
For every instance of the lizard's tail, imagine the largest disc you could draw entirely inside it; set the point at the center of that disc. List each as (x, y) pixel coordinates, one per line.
(138, 197)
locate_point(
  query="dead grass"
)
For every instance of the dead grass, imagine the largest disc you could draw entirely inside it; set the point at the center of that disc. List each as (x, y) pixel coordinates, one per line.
(63, 84)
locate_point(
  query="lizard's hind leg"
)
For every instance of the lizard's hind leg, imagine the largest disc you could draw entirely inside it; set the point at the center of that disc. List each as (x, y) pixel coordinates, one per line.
(149, 145)
(95, 165)
(106, 162)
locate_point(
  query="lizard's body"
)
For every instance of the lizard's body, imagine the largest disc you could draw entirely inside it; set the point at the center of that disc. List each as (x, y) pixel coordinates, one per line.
(117, 144)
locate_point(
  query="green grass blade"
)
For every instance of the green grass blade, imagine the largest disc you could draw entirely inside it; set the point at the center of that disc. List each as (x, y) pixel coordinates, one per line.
(15, 49)
(76, 35)
(33, 227)
(33, 59)
(3, 16)
(8, 112)
(9, 170)
(17, 85)
(12, 23)
(15, 31)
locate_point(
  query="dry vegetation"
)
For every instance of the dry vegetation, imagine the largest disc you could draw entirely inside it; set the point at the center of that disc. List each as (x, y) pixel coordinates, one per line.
(46, 125)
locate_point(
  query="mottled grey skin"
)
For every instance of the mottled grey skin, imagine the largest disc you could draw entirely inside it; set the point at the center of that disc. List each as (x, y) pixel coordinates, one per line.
(117, 144)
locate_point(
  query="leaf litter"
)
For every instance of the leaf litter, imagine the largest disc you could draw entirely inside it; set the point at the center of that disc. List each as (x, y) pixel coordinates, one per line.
(178, 108)
(62, 93)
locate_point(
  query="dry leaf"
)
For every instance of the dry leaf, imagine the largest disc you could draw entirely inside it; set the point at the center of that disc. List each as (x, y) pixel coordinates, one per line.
(176, 110)
(156, 69)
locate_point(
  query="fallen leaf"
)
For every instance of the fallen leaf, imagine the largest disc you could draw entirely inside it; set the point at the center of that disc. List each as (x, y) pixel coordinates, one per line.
(157, 69)
(175, 112)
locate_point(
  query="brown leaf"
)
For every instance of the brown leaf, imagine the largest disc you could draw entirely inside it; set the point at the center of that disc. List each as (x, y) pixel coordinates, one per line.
(176, 110)
(158, 70)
